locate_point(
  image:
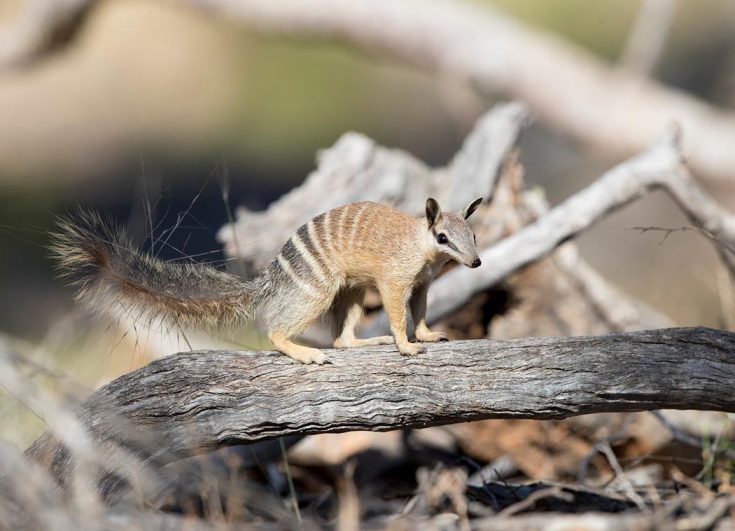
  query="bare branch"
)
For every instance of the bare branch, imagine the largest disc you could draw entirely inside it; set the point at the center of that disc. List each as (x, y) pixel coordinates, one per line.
(570, 89)
(647, 39)
(660, 167)
(356, 169)
(43, 27)
(199, 401)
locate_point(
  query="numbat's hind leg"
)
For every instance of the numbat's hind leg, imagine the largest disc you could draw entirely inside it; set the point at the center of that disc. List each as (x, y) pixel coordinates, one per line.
(377, 340)
(347, 314)
(342, 342)
(298, 352)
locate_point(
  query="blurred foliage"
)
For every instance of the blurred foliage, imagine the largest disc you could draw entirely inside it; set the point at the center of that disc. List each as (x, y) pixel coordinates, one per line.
(601, 26)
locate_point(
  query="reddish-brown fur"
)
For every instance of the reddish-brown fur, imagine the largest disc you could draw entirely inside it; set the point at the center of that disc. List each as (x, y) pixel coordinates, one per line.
(324, 268)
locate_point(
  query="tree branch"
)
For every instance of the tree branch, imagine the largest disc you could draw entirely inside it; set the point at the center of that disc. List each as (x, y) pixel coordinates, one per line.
(199, 401)
(44, 26)
(357, 169)
(569, 88)
(647, 38)
(660, 167)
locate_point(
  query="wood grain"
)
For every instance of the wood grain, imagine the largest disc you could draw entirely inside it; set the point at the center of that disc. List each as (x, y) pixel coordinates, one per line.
(199, 401)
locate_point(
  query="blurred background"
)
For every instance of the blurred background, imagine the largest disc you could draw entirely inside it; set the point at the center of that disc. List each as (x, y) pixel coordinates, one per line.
(155, 102)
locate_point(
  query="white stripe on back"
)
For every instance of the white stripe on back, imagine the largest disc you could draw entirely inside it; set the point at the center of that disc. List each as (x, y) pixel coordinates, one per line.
(314, 237)
(305, 286)
(356, 224)
(308, 257)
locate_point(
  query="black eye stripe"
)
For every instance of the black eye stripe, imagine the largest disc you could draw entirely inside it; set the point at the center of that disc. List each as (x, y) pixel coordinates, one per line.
(448, 243)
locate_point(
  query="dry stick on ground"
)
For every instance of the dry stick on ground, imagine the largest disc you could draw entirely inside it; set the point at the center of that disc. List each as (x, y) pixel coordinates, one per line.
(572, 91)
(687, 438)
(200, 401)
(661, 167)
(30, 499)
(89, 454)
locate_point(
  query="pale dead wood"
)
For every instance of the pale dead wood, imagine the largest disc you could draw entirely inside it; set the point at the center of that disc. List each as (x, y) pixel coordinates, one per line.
(60, 419)
(30, 499)
(200, 401)
(43, 26)
(647, 38)
(357, 169)
(660, 167)
(596, 521)
(571, 90)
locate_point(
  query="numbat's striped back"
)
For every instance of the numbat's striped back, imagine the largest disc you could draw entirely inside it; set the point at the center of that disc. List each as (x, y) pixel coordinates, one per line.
(346, 242)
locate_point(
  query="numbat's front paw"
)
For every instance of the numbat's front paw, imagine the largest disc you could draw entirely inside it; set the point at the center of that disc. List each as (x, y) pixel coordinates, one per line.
(318, 357)
(431, 337)
(410, 349)
(310, 355)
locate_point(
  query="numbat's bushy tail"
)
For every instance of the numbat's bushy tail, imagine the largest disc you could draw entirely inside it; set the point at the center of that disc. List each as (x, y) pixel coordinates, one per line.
(323, 269)
(109, 273)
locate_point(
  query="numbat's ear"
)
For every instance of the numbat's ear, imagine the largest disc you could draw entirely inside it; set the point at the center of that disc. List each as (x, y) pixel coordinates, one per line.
(469, 209)
(433, 211)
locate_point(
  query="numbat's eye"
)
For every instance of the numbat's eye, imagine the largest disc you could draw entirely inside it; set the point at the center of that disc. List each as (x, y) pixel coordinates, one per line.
(442, 238)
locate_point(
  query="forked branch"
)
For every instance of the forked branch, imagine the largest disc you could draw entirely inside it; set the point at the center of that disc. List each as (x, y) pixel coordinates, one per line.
(661, 168)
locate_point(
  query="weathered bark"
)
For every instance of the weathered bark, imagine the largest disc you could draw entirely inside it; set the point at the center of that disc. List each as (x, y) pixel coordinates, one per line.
(199, 401)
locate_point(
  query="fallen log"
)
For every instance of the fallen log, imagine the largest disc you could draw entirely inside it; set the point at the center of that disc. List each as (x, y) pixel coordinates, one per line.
(200, 401)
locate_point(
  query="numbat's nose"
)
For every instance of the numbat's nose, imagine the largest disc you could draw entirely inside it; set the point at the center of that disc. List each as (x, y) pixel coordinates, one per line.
(476, 262)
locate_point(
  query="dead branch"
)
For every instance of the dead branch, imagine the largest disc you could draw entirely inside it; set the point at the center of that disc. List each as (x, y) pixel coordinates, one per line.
(570, 89)
(661, 167)
(43, 27)
(200, 401)
(645, 43)
(356, 169)
(593, 520)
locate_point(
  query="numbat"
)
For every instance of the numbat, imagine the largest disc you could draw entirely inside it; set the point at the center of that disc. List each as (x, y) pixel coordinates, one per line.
(323, 269)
